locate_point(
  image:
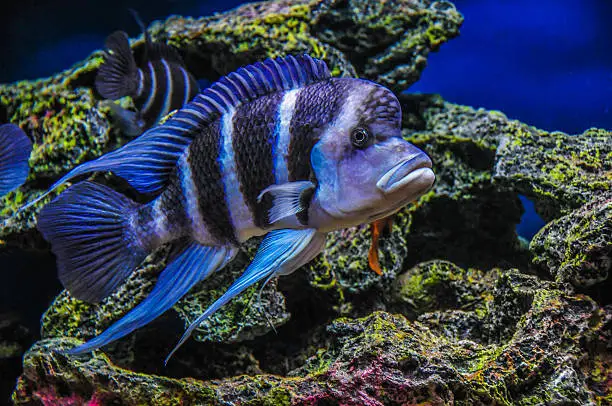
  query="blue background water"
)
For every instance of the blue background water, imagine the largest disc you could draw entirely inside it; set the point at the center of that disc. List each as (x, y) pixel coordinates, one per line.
(546, 62)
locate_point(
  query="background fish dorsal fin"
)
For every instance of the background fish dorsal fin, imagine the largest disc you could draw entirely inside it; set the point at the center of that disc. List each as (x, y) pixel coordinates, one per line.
(156, 50)
(260, 79)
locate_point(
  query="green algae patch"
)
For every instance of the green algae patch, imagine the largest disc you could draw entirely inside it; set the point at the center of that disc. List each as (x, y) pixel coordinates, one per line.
(441, 285)
(253, 313)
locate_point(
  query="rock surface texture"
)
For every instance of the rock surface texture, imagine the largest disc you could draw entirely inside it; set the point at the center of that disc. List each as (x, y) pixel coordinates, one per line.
(464, 313)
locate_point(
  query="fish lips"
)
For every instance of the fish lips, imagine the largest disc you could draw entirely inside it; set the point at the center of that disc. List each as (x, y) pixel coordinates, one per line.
(414, 172)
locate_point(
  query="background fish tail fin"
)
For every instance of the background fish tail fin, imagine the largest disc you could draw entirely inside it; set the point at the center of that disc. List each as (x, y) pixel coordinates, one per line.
(118, 76)
(15, 149)
(192, 265)
(91, 232)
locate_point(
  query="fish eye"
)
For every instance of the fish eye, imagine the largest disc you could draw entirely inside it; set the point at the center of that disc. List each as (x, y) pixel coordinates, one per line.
(360, 137)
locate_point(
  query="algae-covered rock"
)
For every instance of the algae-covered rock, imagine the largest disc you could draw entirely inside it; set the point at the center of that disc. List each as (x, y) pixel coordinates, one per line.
(69, 124)
(387, 42)
(577, 248)
(440, 285)
(559, 172)
(554, 356)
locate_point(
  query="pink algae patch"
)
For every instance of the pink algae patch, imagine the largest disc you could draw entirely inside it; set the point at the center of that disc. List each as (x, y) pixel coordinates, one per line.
(49, 397)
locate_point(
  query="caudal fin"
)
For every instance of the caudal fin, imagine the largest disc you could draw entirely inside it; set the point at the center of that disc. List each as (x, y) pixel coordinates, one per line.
(118, 75)
(15, 148)
(90, 230)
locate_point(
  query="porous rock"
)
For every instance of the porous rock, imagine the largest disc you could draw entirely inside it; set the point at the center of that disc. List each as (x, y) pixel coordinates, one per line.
(543, 345)
(559, 172)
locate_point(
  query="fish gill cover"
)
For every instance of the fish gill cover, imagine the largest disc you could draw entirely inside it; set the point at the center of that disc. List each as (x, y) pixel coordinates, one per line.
(464, 311)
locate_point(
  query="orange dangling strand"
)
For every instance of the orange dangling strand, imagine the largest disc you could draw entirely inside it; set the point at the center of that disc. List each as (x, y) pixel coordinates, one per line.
(377, 228)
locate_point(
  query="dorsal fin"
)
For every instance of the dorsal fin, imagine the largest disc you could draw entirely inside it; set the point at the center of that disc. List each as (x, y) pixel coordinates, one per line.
(147, 162)
(156, 50)
(259, 79)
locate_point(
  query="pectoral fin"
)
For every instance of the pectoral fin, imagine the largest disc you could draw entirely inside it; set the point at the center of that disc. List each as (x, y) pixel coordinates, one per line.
(289, 199)
(129, 122)
(280, 252)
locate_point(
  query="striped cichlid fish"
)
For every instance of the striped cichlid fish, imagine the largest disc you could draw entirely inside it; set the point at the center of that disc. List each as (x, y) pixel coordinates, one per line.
(15, 149)
(278, 148)
(159, 84)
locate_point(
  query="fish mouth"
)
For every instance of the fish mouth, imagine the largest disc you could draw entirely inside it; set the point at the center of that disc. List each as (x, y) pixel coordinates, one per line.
(415, 172)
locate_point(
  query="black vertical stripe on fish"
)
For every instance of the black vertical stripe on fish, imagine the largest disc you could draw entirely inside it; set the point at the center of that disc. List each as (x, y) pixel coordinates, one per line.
(174, 82)
(254, 128)
(206, 172)
(161, 85)
(302, 216)
(149, 88)
(172, 206)
(182, 85)
(166, 87)
(316, 106)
